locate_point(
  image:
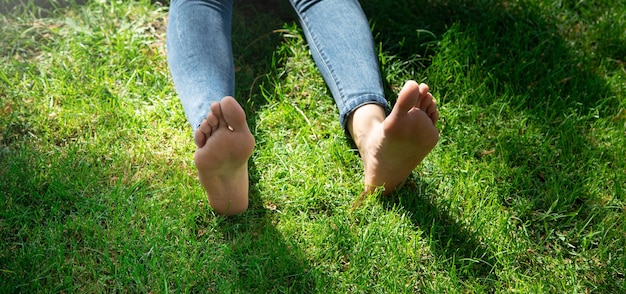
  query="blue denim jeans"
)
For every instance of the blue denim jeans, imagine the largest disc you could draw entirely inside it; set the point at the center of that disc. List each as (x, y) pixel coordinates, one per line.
(200, 57)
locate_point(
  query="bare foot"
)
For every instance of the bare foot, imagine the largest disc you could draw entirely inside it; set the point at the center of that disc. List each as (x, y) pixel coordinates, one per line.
(224, 146)
(392, 147)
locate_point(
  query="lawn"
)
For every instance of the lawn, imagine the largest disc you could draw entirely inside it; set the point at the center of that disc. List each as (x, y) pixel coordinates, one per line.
(525, 192)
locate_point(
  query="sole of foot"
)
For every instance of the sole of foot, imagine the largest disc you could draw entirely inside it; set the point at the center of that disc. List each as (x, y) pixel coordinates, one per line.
(224, 145)
(397, 145)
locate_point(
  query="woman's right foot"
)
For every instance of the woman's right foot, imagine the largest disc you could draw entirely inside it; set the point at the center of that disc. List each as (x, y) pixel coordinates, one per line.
(225, 144)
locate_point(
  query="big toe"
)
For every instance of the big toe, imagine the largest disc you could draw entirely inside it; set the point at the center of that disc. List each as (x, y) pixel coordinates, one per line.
(233, 114)
(408, 97)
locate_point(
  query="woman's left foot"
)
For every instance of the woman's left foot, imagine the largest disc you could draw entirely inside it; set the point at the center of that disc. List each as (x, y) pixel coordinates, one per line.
(393, 147)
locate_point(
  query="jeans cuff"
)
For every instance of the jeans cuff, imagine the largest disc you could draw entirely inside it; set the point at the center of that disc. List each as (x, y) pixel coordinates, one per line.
(357, 102)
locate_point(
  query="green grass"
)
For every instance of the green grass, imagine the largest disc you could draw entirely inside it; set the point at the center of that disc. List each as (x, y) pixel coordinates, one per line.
(524, 193)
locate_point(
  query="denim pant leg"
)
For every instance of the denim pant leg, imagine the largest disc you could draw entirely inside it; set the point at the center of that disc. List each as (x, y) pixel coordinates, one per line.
(342, 46)
(199, 54)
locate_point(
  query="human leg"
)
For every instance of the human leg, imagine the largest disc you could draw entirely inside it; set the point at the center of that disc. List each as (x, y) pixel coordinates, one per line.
(199, 54)
(343, 48)
(200, 59)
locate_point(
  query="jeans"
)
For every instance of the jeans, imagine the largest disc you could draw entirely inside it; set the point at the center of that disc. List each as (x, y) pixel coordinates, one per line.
(200, 57)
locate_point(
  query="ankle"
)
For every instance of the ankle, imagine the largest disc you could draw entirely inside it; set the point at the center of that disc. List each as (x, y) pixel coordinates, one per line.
(363, 120)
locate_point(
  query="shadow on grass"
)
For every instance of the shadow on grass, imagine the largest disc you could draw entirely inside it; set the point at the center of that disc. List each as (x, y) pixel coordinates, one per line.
(449, 240)
(519, 53)
(265, 260)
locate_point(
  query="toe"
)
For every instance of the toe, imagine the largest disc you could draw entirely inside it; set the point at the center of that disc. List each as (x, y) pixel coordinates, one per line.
(433, 113)
(216, 110)
(218, 113)
(435, 118)
(212, 120)
(425, 101)
(431, 108)
(205, 129)
(202, 134)
(233, 114)
(408, 97)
